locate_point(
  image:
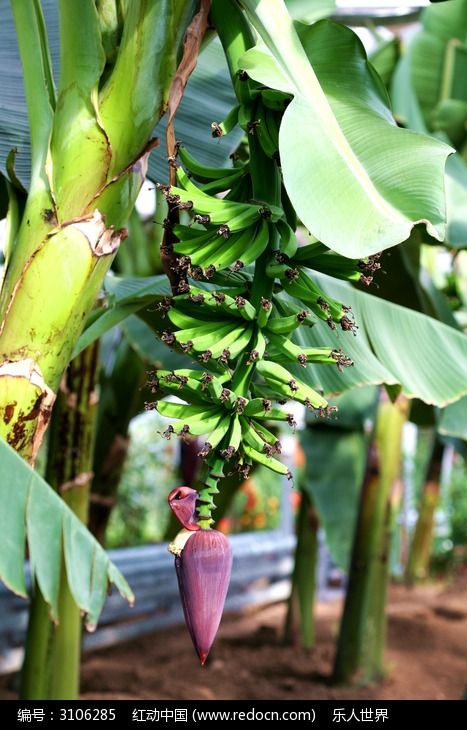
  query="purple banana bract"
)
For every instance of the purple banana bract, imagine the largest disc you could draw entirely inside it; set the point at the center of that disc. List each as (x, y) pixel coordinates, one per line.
(182, 501)
(203, 572)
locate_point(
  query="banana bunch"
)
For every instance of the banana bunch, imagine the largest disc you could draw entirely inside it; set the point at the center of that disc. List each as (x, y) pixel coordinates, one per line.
(296, 282)
(211, 324)
(234, 426)
(244, 348)
(317, 257)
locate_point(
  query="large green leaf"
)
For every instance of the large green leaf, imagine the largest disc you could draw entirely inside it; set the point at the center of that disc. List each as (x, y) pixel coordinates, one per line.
(336, 452)
(126, 295)
(150, 348)
(357, 181)
(208, 98)
(393, 345)
(33, 514)
(453, 420)
(442, 41)
(309, 12)
(419, 88)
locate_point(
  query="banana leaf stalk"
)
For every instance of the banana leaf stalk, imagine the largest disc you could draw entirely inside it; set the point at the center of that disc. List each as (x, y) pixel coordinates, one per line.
(52, 657)
(362, 635)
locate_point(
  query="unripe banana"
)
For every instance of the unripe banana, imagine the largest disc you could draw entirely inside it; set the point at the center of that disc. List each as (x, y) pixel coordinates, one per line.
(199, 425)
(280, 379)
(201, 172)
(286, 325)
(217, 435)
(170, 409)
(234, 439)
(265, 460)
(288, 240)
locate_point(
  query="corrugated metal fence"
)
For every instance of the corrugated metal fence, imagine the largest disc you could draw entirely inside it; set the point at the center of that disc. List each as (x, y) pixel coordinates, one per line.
(261, 574)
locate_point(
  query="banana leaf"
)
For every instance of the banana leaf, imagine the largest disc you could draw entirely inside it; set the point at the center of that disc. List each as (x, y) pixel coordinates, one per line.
(341, 150)
(33, 514)
(334, 483)
(428, 97)
(393, 345)
(126, 295)
(453, 420)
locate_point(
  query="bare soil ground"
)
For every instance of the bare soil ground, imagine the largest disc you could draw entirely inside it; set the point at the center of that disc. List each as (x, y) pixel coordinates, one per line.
(426, 656)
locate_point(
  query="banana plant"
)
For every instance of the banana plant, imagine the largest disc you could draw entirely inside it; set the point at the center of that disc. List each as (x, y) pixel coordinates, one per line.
(244, 295)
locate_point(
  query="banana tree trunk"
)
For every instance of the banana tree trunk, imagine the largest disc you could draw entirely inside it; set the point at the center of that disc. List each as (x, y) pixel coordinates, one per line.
(52, 657)
(418, 563)
(361, 642)
(299, 625)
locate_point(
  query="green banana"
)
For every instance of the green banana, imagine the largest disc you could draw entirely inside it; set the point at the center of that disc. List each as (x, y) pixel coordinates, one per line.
(233, 306)
(264, 312)
(265, 460)
(304, 288)
(274, 99)
(210, 253)
(230, 121)
(258, 245)
(199, 425)
(205, 328)
(193, 374)
(201, 172)
(185, 321)
(230, 250)
(263, 408)
(170, 409)
(250, 436)
(206, 341)
(270, 438)
(340, 267)
(217, 434)
(234, 438)
(302, 355)
(222, 184)
(269, 142)
(288, 240)
(226, 342)
(183, 386)
(309, 251)
(244, 219)
(272, 123)
(280, 379)
(256, 349)
(241, 343)
(286, 325)
(192, 246)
